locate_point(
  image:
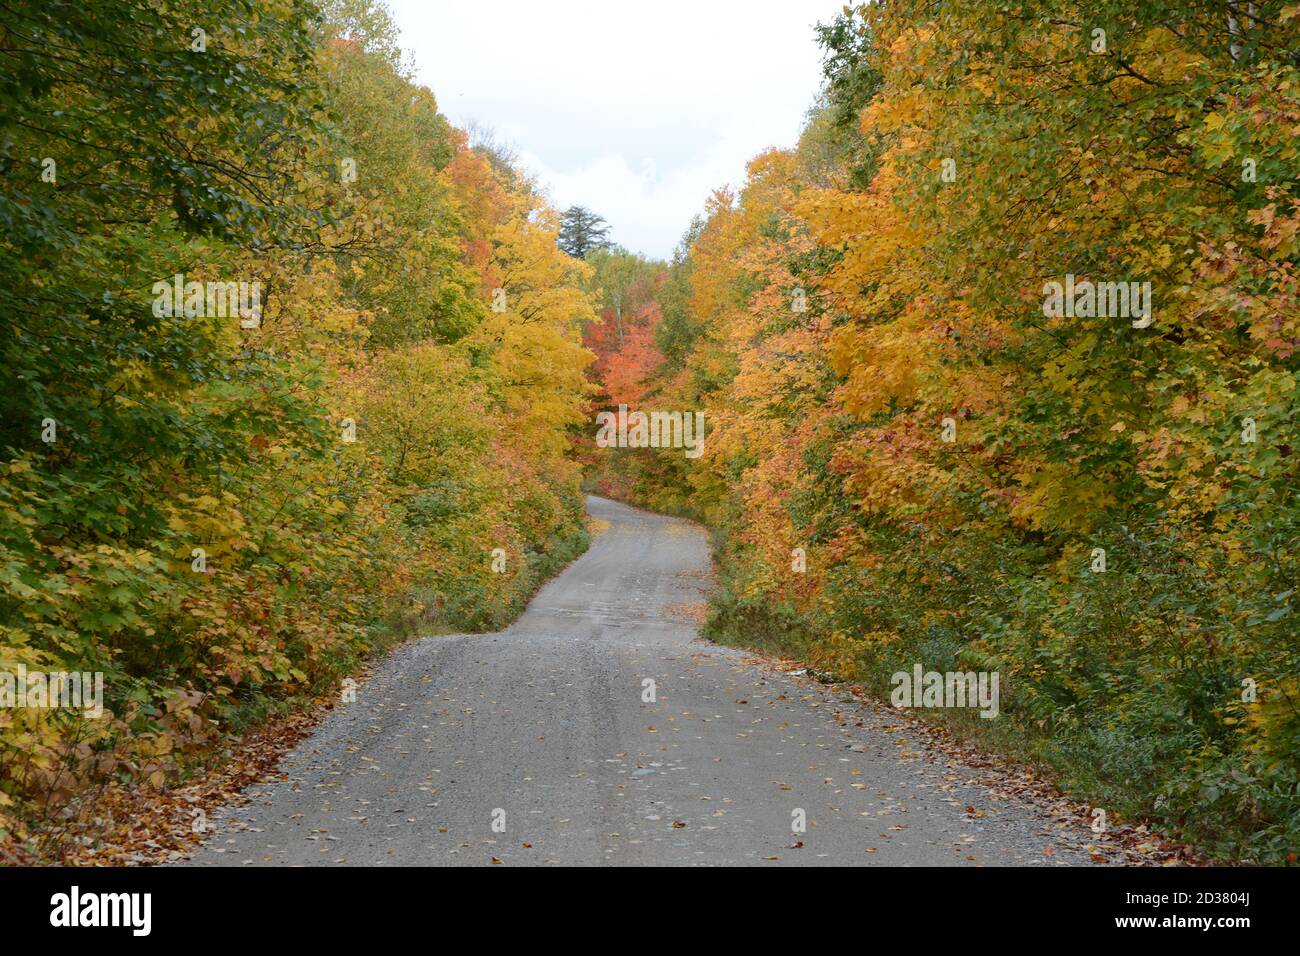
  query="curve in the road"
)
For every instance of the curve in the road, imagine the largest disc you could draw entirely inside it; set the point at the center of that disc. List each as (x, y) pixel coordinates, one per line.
(541, 744)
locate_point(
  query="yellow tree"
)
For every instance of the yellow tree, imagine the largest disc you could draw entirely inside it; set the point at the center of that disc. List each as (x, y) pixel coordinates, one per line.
(532, 335)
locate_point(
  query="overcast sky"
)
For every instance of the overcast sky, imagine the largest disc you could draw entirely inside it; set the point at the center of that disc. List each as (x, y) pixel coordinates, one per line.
(635, 110)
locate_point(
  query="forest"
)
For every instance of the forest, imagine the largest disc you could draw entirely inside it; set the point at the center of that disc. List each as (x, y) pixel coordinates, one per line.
(914, 456)
(224, 513)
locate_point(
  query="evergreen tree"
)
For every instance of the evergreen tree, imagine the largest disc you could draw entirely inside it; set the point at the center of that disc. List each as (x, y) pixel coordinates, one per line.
(581, 231)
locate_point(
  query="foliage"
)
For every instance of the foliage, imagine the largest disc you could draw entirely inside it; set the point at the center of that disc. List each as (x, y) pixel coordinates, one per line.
(222, 516)
(582, 232)
(1166, 155)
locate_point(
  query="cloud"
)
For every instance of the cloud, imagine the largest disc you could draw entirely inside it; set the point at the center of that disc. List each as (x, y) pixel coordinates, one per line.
(648, 208)
(636, 111)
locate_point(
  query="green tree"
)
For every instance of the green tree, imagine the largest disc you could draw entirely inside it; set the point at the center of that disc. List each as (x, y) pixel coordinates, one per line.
(677, 333)
(582, 231)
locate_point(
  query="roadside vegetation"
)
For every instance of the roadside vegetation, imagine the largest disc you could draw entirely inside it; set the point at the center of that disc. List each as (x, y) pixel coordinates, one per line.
(915, 455)
(223, 510)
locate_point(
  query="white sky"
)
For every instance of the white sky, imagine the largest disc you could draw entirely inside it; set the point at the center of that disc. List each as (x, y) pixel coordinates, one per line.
(635, 110)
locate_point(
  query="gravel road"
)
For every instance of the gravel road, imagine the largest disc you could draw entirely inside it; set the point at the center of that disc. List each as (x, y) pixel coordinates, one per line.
(536, 745)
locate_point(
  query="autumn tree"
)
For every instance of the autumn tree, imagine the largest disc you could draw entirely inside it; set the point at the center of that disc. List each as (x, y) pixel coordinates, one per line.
(222, 510)
(1091, 503)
